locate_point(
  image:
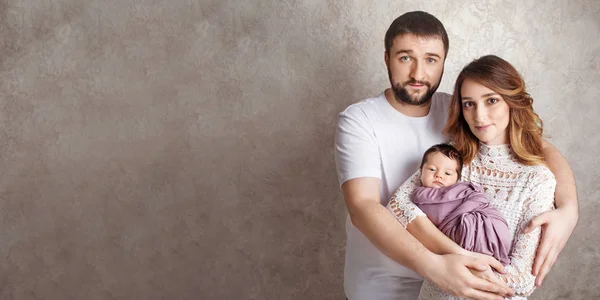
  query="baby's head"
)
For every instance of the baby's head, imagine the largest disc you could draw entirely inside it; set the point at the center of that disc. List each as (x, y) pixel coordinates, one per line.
(441, 166)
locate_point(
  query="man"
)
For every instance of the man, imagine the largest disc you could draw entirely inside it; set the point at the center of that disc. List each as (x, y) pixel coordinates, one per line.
(379, 142)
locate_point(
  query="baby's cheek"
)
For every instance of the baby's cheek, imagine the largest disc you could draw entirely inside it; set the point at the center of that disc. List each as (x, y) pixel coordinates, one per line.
(422, 177)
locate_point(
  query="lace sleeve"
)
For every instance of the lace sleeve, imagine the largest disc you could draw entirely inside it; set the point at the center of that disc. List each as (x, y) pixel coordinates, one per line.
(401, 205)
(541, 199)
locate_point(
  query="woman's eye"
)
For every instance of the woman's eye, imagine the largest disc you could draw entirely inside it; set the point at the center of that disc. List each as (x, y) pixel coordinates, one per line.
(467, 104)
(492, 100)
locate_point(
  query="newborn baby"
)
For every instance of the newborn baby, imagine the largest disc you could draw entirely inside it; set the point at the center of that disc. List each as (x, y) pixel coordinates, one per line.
(460, 210)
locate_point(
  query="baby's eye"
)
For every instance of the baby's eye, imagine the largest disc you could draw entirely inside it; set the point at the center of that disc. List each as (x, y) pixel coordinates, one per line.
(448, 173)
(432, 169)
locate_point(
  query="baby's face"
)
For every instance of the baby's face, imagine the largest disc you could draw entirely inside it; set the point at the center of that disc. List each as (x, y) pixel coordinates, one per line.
(438, 171)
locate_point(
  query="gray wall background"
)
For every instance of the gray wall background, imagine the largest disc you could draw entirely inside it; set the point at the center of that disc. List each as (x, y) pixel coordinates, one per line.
(183, 149)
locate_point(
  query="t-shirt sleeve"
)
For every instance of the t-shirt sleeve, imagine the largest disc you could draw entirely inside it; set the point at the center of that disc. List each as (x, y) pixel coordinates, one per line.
(356, 149)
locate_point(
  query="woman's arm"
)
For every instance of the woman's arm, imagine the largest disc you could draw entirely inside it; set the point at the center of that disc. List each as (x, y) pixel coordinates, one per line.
(561, 222)
(518, 275)
(566, 189)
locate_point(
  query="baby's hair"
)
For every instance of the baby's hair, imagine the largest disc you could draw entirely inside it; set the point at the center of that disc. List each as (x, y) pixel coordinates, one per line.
(449, 151)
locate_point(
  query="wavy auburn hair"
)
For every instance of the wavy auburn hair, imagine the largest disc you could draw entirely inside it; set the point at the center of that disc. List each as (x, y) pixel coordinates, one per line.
(525, 126)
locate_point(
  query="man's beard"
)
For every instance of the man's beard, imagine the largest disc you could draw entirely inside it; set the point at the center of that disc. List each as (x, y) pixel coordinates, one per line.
(402, 96)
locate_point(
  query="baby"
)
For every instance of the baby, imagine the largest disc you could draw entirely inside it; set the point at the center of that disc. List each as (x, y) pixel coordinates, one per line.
(460, 210)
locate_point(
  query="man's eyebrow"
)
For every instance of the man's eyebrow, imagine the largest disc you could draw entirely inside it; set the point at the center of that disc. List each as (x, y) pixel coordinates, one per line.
(408, 51)
(482, 96)
(433, 54)
(404, 51)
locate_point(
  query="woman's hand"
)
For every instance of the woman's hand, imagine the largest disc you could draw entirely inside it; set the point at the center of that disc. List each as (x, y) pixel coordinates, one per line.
(486, 259)
(557, 227)
(490, 276)
(487, 274)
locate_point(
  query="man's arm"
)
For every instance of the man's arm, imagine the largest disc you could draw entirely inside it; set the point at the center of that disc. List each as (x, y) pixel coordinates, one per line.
(376, 223)
(449, 272)
(557, 225)
(431, 237)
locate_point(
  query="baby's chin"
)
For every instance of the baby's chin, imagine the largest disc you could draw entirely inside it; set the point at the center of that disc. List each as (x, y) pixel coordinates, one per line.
(434, 186)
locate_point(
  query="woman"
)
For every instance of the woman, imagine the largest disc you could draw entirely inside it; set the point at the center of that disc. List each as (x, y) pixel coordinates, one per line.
(492, 123)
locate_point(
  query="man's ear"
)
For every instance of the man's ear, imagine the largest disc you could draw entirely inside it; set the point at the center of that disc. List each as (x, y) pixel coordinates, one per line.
(386, 58)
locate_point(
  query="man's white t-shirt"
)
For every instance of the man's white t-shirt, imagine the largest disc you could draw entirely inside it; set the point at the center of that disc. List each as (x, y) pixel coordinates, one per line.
(375, 140)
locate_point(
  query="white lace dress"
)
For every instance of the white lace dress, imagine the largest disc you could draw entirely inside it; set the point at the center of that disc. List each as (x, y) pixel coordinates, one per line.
(520, 192)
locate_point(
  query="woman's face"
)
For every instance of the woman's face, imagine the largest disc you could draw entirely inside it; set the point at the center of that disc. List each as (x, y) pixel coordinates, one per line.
(486, 113)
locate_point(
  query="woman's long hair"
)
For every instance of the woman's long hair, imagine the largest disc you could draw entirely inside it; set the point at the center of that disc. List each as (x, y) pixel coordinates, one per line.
(525, 126)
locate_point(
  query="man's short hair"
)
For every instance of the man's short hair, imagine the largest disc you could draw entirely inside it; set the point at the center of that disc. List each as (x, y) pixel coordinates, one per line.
(419, 23)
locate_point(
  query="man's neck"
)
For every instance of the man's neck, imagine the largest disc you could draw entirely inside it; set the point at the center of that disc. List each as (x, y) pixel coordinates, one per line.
(406, 109)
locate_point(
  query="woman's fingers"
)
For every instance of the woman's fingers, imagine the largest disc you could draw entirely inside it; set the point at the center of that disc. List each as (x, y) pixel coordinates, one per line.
(542, 252)
(489, 289)
(545, 268)
(479, 295)
(489, 276)
(496, 265)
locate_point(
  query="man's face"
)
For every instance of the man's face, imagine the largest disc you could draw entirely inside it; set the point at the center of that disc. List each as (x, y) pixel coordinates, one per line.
(415, 67)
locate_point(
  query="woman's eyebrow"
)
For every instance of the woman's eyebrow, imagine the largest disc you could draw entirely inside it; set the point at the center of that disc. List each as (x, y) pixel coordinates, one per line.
(482, 96)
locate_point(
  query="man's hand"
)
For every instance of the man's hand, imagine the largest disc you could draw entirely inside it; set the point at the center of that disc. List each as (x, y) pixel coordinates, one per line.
(557, 227)
(451, 272)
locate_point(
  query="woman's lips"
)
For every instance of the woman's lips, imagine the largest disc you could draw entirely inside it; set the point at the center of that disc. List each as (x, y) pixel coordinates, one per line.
(482, 127)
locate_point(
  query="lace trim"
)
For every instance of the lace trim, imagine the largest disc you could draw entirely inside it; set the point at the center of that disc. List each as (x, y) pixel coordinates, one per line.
(400, 204)
(495, 151)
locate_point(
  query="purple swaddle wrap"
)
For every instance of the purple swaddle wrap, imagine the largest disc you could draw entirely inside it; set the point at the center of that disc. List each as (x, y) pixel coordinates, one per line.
(462, 212)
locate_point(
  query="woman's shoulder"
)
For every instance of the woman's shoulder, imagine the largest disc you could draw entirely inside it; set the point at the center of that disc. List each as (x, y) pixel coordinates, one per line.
(539, 174)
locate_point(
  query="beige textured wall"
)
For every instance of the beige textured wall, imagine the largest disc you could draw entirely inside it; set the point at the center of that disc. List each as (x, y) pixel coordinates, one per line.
(183, 149)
